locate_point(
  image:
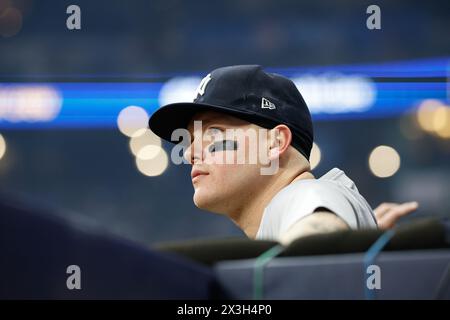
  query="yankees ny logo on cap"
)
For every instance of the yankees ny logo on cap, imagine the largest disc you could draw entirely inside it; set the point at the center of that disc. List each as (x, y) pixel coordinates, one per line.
(202, 86)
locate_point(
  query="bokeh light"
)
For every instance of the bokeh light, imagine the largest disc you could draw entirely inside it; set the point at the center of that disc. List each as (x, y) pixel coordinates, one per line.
(10, 22)
(143, 138)
(384, 161)
(335, 92)
(425, 114)
(131, 120)
(434, 117)
(155, 166)
(179, 89)
(441, 122)
(2, 146)
(315, 156)
(29, 103)
(149, 152)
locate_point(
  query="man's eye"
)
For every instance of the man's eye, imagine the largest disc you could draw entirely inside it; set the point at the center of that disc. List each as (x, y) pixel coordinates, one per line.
(223, 145)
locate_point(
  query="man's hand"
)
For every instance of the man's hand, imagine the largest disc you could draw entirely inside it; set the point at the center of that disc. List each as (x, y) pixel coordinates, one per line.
(387, 214)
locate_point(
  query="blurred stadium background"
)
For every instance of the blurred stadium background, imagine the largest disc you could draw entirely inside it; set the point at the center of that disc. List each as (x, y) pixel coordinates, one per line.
(73, 103)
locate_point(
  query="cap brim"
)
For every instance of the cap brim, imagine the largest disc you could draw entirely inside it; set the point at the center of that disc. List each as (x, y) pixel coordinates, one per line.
(178, 115)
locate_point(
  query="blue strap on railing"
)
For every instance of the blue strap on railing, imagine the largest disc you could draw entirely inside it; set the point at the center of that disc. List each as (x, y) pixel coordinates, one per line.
(258, 270)
(371, 255)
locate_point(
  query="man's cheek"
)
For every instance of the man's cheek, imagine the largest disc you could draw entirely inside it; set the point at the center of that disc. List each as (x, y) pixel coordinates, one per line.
(217, 173)
(225, 173)
(213, 158)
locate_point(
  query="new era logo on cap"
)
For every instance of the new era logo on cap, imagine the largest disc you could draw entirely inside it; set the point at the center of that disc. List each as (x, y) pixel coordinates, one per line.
(266, 104)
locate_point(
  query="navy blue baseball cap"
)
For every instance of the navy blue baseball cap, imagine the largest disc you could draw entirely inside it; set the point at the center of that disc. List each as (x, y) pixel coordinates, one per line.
(246, 92)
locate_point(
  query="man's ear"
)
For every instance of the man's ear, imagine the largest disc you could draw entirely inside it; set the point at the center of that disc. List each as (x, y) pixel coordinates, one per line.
(280, 138)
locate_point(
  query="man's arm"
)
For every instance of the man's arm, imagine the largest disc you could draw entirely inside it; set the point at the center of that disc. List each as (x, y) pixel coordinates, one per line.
(318, 222)
(387, 214)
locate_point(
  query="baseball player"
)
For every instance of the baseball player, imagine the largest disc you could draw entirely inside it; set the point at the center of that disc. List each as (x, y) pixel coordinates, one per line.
(286, 203)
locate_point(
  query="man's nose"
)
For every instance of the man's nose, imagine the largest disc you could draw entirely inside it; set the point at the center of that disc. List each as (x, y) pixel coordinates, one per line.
(194, 153)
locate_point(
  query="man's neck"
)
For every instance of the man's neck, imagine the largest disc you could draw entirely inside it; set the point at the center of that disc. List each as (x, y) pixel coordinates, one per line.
(249, 217)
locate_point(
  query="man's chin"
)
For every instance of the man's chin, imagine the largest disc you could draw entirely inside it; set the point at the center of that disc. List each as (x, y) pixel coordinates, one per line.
(206, 203)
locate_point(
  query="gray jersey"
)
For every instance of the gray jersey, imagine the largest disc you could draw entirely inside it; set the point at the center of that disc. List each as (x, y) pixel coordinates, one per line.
(333, 191)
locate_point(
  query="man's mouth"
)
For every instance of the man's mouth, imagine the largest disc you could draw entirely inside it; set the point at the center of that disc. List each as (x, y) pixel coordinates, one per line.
(196, 174)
